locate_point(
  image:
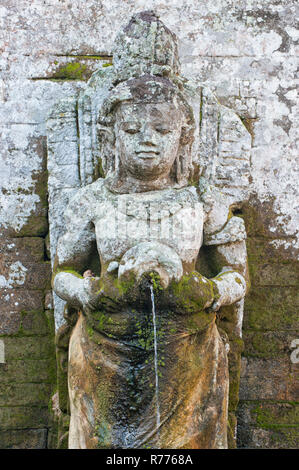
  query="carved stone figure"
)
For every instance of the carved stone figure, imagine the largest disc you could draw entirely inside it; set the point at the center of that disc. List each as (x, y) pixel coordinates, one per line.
(152, 264)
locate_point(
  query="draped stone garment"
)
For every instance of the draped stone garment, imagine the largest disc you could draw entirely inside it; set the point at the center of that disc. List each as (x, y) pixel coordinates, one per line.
(112, 382)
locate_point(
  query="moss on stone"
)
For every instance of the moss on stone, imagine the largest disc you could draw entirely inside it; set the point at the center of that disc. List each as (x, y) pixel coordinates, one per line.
(267, 345)
(192, 292)
(71, 71)
(66, 269)
(276, 415)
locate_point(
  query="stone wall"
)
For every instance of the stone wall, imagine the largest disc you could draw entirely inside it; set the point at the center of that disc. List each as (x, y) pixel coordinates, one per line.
(245, 52)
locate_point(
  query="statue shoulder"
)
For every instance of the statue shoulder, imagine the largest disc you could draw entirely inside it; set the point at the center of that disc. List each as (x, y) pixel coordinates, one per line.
(233, 231)
(83, 202)
(220, 226)
(215, 206)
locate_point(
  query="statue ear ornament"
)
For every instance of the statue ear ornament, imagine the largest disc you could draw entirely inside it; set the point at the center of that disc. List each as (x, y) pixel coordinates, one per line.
(143, 298)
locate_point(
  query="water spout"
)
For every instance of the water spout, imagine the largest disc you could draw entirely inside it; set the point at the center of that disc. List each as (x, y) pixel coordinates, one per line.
(156, 359)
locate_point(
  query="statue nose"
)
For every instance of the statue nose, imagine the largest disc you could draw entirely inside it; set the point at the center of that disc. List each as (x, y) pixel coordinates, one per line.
(147, 136)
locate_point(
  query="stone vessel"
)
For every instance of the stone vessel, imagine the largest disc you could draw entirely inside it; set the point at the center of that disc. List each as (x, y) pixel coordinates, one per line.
(146, 219)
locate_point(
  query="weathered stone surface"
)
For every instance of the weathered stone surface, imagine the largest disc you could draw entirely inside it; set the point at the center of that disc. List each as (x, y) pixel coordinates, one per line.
(28, 370)
(268, 425)
(10, 322)
(24, 439)
(269, 415)
(23, 416)
(272, 308)
(16, 300)
(30, 249)
(25, 275)
(12, 394)
(270, 344)
(34, 347)
(293, 383)
(264, 379)
(256, 438)
(275, 275)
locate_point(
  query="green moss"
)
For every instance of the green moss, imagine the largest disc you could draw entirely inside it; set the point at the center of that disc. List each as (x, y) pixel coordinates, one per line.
(156, 281)
(289, 437)
(193, 292)
(270, 308)
(103, 427)
(41, 187)
(95, 57)
(33, 322)
(124, 286)
(231, 426)
(66, 269)
(71, 71)
(273, 416)
(266, 345)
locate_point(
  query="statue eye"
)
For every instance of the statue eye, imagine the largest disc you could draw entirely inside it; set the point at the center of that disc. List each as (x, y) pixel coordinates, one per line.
(162, 129)
(130, 127)
(131, 130)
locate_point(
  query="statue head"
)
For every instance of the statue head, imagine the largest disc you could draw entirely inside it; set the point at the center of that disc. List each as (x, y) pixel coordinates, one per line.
(145, 130)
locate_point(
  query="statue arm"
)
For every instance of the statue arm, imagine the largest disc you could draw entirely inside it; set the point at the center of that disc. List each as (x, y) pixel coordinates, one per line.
(227, 252)
(74, 250)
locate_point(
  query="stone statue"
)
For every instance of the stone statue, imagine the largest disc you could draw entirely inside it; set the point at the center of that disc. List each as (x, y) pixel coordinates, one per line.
(151, 261)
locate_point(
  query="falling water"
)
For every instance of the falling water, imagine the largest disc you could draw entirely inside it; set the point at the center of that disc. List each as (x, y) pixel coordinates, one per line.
(156, 359)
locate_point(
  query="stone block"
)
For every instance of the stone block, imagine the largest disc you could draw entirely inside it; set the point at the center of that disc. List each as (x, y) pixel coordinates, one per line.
(271, 308)
(27, 249)
(268, 415)
(10, 323)
(62, 153)
(256, 438)
(24, 439)
(13, 394)
(268, 251)
(263, 379)
(17, 300)
(269, 344)
(293, 383)
(28, 347)
(26, 275)
(64, 176)
(23, 417)
(35, 323)
(29, 370)
(274, 274)
(268, 425)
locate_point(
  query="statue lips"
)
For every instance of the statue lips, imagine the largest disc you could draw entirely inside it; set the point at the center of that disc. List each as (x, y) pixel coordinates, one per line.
(147, 154)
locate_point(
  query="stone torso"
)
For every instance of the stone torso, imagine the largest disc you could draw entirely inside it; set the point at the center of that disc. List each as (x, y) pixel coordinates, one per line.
(171, 217)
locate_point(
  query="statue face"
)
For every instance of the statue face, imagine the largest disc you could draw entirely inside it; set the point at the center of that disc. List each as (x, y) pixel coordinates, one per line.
(147, 138)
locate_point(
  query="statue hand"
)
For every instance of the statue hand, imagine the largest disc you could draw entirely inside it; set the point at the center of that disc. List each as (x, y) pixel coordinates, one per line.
(193, 293)
(148, 257)
(230, 287)
(90, 293)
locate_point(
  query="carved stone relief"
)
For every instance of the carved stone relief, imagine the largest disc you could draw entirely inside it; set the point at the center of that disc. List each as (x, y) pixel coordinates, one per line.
(149, 258)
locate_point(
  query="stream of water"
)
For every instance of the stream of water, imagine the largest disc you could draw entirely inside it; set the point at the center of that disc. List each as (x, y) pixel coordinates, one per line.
(156, 359)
